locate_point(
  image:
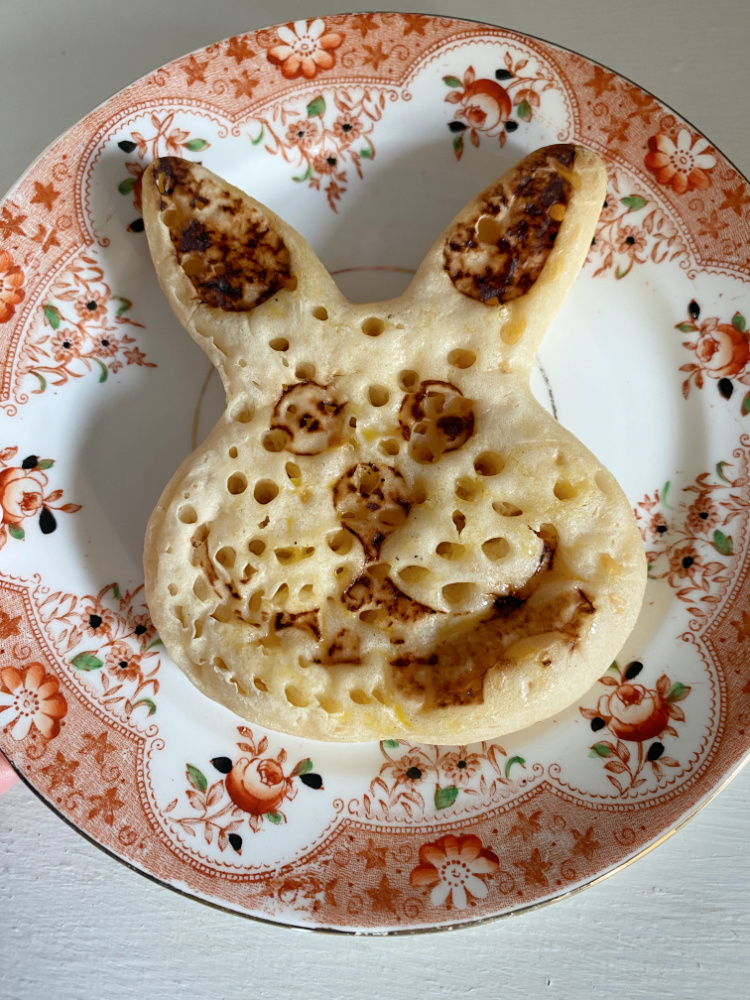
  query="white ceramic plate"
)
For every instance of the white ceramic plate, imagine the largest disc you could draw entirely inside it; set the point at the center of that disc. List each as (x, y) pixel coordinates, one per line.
(367, 133)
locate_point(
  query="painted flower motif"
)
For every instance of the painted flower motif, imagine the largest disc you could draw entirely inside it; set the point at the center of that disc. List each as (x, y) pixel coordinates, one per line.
(11, 281)
(106, 346)
(257, 785)
(122, 662)
(326, 162)
(681, 166)
(93, 308)
(143, 628)
(348, 129)
(31, 698)
(682, 560)
(633, 712)
(451, 867)
(460, 767)
(21, 494)
(407, 769)
(98, 621)
(703, 515)
(632, 242)
(67, 344)
(303, 133)
(305, 49)
(483, 106)
(721, 349)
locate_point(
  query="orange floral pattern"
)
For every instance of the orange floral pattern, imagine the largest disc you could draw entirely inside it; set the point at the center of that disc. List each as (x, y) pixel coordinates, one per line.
(305, 49)
(683, 165)
(452, 868)
(11, 286)
(23, 495)
(30, 697)
(722, 352)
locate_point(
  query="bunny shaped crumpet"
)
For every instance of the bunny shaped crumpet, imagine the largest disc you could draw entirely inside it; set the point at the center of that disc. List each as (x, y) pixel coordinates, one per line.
(385, 535)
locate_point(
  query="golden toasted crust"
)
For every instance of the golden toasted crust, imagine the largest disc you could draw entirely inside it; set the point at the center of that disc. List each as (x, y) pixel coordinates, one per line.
(385, 535)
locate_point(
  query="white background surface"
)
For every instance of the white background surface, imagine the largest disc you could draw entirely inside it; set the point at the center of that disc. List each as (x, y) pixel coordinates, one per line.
(76, 924)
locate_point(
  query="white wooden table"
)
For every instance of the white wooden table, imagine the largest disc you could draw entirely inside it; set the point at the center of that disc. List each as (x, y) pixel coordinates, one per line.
(76, 924)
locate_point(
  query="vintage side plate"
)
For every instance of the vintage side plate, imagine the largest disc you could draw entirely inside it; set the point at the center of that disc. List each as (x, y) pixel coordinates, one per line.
(367, 132)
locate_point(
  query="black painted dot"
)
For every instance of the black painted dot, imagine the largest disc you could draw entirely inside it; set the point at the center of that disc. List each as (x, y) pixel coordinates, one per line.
(597, 724)
(461, 764)
(222, 764)
(703, 515)
(136, 226)
(593, 242)
(66, 345)
(511, 126)
(630, 240)
(605, 205)
(687, 562)
(655, 751)
(503, 74)
(91, 306)
(726, 388)
(414, 773)
(95, 621)
(104, 342)
(346, 127)
(331, 161)
(456, 126)
(123, 664)
(30, 462)
(312, 781)
(661, 528)
(236, 841)
(633, 669)
(140, 629)
(47, 522)
(694, 309)
(126, 146)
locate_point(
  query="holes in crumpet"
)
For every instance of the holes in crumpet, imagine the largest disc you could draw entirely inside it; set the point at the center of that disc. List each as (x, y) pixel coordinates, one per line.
(413, 574)
(172, 590)
(450, 550)
(305, 371)
(233, 453)
(495, 548)
(564, 490)
(389, 447)
(170, 217)
(490, 230)
(328, 704)
(222, 614)
(237, 483)
(260, 684)
(378, 395)
(187, 514)
(255, 601)
(340, 542)
(458, 593)
(279, 344)
(243, 412)
(489, 463)
(506, 509)
(466, 489)
(192, 264)
(459, 520)
(276, 440)
(408, 380)
(295, 697)
(226, 557)
(202, 588)
(294, 473)
(257, 546)
(461, 358)
(359, 697)
(372, 326)
(320, 312)
(307, 592)
(265, 491)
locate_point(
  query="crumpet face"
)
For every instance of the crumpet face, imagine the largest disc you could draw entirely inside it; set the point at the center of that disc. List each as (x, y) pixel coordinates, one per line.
(385, 535)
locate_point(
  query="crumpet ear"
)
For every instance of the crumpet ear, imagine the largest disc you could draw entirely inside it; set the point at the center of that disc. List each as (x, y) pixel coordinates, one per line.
(220, 255)
(521, 242)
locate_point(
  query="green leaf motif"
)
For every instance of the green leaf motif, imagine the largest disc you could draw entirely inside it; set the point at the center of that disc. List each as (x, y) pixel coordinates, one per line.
(366, 154)
(738, 322)
(42, 381)
(52, 315)
(458, 144)
(451, 81)
(316, 107)
(197, 778)
(124, 305)
(445, 797)
(126, 186)
(391, 744)
(87, 662)
(103, 374)
(634, 202)
(723, 543)
(677, 692)
(16, 531)
(600, 750)
(256, 142)
(623, 274)
(686, 328)
(144, 701)
(46, 463)
(116, 592)
(154, 642)
(306, 176)
(196, 145)
(274, 818)
(746, 405)
(720, 469)
(664, 493)
(513, 760)
(524, 110)
(304, 767)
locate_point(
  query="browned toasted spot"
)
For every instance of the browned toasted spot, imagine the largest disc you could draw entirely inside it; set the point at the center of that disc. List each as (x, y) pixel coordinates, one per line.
(200, 558)
(343, 649)
(304, 621)
(372, 501)
(229, 250)
(435, 419)
(499, 254)
(372, 591)
(310, 415)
